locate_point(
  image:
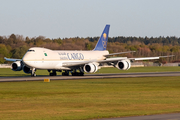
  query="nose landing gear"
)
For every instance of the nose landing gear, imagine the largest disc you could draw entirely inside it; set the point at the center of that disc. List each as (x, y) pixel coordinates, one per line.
(33, 74)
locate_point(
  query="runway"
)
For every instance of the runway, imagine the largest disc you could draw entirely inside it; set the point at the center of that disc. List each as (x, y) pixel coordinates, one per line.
(89, 76)
(173, 116)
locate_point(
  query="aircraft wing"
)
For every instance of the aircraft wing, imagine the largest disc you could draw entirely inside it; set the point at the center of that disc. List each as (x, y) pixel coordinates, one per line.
(73, 64)
(12, 59)
(143, 58)
(151, 58)
(110, 60)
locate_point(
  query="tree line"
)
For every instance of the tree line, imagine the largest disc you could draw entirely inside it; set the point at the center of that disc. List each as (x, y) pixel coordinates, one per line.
(15, 46)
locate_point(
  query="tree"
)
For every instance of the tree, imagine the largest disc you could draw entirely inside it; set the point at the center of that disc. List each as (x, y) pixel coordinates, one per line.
(19, 52)
(4, 52)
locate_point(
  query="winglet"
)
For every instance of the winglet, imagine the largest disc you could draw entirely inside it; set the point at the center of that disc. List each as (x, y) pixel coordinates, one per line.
(102, 42)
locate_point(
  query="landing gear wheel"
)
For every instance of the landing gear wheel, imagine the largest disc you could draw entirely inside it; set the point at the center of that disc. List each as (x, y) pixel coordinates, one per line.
(52, 74)
(66, 73)
(33, 75)
(81, 74)
(77, 74)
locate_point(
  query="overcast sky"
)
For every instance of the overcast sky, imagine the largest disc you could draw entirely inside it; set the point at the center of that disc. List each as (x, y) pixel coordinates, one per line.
(87, 18)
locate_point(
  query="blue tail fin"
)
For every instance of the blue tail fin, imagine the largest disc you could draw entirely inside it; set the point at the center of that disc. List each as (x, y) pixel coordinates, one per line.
(102, 42)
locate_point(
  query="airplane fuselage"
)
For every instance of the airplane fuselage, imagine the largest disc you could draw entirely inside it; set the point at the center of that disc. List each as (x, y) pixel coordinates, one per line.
(42, 58)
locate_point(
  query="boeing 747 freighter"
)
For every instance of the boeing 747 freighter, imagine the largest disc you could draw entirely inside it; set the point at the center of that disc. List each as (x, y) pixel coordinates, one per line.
(74, 61)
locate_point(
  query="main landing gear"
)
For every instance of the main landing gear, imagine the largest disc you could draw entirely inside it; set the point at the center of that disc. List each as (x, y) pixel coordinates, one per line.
(53, 73)
(66, 73)
(75, 73)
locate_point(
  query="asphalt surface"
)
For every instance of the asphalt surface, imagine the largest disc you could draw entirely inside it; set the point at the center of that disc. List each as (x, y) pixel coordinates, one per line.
(174, 116)
(89, 76)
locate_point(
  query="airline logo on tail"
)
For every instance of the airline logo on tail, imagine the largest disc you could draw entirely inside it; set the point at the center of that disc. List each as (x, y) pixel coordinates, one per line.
(102, 42)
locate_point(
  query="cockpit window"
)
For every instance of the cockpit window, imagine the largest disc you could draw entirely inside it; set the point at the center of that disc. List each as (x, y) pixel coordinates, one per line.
(31, 51)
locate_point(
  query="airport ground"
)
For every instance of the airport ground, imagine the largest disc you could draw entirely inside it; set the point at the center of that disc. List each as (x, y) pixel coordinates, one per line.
(6, 72)
(91, 98)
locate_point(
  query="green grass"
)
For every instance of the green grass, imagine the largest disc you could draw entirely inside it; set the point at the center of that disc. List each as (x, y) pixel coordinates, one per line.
(89, 99)
(8, 72)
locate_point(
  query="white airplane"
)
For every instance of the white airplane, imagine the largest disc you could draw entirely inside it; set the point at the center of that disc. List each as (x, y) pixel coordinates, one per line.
(73, 60)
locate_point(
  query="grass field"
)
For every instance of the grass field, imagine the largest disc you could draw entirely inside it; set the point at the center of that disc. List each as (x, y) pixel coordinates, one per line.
(89, 99)
(8, 72)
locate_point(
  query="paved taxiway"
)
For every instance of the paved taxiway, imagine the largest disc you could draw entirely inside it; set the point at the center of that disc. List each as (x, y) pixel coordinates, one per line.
(173, 116)
(90, 76)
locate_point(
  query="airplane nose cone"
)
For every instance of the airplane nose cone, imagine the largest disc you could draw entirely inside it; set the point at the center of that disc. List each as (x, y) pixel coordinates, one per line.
(25, 60)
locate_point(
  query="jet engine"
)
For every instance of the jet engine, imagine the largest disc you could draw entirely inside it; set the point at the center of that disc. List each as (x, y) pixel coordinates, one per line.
(26, 69)
(123, 64)
(16, 66)
(90, 68)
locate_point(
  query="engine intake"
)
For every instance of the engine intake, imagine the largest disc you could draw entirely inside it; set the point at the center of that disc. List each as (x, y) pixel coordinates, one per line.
(123, 64)
(26, 69)
(90, 68)
(16, 66)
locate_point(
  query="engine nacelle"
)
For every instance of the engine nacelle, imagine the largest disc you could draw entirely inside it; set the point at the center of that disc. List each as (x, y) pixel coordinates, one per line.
(90, 68)
(26, 69)
(123, 64)
(16, 66)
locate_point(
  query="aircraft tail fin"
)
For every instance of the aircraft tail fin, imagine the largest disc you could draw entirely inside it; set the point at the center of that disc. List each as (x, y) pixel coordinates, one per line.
(102, 42)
